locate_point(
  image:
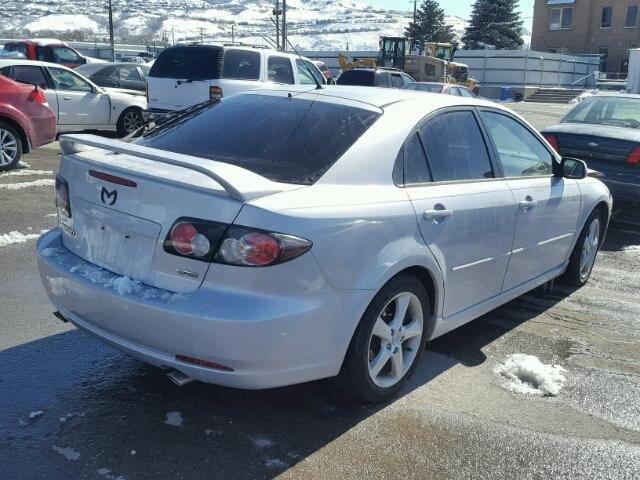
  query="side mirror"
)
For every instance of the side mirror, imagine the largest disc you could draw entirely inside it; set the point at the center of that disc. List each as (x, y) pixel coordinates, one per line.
(574, 168)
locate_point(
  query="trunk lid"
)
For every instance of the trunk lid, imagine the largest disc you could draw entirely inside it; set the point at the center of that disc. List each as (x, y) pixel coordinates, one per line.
(124, 203)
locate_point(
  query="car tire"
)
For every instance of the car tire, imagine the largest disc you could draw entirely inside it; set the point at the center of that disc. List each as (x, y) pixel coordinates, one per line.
(365, 374)
(130, 120)
(585, 252)
(10, 147)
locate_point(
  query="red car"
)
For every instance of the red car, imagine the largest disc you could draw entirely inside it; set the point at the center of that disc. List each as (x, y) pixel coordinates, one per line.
(26, 121)
(53, 51)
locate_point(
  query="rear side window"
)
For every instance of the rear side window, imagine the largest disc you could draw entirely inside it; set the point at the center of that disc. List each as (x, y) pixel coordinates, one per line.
(415, 162)
(280, 70)
(396, 80)
(241, 65)
(466, 93)
(357, 77)
(455, 148)
(188, 62)
(29, 74)
(289, 140)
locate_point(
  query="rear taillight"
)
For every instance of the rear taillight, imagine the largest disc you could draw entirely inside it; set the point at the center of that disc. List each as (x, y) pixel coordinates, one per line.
(634, 157)
(62, 197)
(215, 93)
(553, 141)
(38, 96)
(232, 245)
(250, 247)
(193, 238)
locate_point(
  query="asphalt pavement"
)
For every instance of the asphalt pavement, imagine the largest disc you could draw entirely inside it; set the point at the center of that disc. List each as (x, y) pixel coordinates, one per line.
(71, 407)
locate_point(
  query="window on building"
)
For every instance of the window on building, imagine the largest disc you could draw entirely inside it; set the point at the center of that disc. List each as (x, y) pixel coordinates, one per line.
(561, 18)
(607, 17)
(631, 19)
(552, 50)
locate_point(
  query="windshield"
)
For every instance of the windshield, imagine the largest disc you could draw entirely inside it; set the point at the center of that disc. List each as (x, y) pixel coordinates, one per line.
(618, 112)
(425, 87)
(287, 140)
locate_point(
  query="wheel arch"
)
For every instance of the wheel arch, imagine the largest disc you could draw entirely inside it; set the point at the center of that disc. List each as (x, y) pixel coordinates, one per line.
(26, 145)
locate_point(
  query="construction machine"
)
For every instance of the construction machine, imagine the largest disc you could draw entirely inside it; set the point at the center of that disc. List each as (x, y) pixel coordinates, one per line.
(432, 63)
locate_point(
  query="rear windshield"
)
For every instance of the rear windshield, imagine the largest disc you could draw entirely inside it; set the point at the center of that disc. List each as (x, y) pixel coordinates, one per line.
(424, 87)
(284, 139)
(616, 111)
(194, 62)
(357, 77)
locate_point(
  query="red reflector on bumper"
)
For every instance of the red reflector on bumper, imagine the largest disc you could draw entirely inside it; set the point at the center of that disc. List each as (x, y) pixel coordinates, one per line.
(203, 363)
(113, 179)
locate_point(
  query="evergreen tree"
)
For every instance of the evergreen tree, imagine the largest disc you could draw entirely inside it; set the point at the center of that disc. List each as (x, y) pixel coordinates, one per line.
(494, 24)
(429, 25)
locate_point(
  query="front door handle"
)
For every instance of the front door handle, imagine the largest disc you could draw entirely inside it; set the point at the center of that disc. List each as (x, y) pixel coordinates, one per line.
(437, 215)
(528, 204)
(66, 98)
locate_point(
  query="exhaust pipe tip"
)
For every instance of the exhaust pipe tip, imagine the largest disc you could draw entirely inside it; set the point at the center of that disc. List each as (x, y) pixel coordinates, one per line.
(179, 378)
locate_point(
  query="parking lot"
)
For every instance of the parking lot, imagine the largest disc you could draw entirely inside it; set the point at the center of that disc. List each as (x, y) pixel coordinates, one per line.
(75, 408)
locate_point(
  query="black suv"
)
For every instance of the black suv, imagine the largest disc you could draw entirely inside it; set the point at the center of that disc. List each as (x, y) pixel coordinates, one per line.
(375, 77)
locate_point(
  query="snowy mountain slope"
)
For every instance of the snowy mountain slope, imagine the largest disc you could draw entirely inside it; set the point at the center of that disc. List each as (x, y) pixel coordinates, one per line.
(313, 24)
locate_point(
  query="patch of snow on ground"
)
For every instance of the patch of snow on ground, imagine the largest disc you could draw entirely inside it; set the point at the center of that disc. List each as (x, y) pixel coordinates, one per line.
(50, 215)
(67, 452)
(174, 419)
(527, 374)
(36, 183)
(25, 172)
(632, 249)
(22, 164)
(16, 237)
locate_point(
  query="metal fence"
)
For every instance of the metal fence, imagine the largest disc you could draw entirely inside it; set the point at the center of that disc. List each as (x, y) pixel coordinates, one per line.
(503, 68)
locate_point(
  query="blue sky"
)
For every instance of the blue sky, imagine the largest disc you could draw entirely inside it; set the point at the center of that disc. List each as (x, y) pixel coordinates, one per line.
(460, 8)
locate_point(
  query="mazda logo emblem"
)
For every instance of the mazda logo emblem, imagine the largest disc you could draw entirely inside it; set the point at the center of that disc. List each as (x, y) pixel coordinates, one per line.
(107, 197)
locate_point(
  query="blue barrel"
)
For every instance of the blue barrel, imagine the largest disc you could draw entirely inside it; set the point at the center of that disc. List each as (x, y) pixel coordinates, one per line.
(505, 93)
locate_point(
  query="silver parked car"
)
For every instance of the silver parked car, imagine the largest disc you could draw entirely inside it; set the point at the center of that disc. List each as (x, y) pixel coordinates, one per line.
(288, 235)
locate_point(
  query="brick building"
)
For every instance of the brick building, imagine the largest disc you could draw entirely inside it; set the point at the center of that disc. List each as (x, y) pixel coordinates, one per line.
(606, 27)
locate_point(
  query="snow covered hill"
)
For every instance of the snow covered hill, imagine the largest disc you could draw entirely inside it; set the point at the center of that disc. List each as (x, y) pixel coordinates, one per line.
(313, 24)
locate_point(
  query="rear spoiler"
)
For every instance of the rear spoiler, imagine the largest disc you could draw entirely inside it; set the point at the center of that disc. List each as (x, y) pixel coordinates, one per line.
(239, 183)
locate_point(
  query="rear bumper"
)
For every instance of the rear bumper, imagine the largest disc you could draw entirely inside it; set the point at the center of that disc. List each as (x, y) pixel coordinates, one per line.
(267, 340)
(623, 191)
(152, 114)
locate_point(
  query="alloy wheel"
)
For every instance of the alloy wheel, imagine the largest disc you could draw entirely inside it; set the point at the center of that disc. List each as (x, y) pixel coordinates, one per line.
(395, 339)
(590, 248)
(132, 121)
(8, 147)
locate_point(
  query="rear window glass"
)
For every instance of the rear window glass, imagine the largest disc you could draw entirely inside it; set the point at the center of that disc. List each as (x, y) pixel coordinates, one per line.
(288, 140)
(188, 62)
(357, 77)
(241, 65)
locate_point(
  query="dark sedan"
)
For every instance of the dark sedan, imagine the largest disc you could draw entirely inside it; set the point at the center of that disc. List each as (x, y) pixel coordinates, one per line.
(128, 76)
(604, 130)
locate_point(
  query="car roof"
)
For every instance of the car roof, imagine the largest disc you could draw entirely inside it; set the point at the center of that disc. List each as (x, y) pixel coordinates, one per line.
(4, 62)
(384, 97)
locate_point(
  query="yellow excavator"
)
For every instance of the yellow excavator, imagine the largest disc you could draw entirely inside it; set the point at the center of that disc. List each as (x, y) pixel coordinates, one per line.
(434, 64)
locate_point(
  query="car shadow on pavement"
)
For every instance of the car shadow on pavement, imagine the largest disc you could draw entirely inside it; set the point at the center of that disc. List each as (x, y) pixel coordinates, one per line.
(126, 417)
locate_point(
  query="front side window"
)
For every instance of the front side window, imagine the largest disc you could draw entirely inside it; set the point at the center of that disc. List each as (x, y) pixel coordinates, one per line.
(241, 65)
(280, 70)
(304, 74)
(65, 80)
(607, 17)
(453, 155)
(289, 140)
(315, 72)
(28, 74)
(520, 152)
(65, 55)
(396, 80)
(631, 19)
(129, 73)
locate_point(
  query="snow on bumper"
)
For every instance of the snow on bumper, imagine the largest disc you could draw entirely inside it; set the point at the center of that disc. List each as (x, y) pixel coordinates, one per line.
(268, 340)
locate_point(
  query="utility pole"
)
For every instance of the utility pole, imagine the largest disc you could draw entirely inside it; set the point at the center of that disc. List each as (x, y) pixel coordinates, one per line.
(284, 25)
(173, 36)
(415, 19)
(233, 33)
(277, 12)
(201, 34)
(111, 42)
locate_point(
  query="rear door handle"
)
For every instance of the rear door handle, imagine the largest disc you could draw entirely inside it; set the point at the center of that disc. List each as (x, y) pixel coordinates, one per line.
(436, 215)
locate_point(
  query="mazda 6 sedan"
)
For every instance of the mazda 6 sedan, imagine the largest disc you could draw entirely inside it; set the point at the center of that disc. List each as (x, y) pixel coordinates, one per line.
(288, 235)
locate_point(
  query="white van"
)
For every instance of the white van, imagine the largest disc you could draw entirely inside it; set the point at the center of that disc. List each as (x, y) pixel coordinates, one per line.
(185, 75)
